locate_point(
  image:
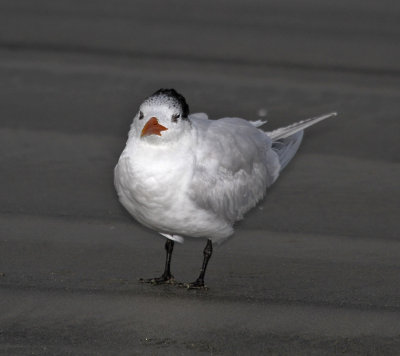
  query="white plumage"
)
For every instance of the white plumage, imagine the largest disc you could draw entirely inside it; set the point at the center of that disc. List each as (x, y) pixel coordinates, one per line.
(193, 176)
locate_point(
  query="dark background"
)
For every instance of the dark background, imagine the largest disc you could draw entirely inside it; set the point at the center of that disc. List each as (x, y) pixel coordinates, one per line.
(314, 270)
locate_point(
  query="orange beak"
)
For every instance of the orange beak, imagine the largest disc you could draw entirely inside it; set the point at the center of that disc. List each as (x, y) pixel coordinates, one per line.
(152, 127)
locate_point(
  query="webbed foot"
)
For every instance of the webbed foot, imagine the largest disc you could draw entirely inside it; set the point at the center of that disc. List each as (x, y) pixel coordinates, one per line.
(197, 284)
(164, 279)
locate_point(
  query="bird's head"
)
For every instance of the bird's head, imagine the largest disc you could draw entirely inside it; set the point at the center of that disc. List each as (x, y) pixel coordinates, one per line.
(162, 117)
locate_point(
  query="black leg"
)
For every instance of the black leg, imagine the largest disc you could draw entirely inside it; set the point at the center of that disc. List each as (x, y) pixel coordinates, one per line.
(167, 277)
(199, 282)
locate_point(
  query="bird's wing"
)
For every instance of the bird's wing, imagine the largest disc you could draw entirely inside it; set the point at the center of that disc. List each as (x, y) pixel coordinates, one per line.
(234, 166)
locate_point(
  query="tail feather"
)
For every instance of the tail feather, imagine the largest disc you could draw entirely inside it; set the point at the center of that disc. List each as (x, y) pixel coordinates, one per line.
(301, 125)
(286, 140)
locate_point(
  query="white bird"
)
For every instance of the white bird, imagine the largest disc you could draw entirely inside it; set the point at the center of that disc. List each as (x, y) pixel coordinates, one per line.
(185, 175)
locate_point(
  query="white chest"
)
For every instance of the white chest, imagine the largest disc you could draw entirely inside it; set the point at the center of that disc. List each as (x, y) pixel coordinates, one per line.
(152, 183)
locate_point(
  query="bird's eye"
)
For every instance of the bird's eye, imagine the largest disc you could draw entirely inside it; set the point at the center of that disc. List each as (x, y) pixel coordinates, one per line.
(140, 115)
(175, 117)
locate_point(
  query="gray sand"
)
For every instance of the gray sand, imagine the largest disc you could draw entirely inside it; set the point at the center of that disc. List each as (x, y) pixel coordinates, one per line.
(313, 270)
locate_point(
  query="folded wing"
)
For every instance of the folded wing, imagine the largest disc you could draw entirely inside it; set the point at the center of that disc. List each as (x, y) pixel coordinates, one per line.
(234, 165)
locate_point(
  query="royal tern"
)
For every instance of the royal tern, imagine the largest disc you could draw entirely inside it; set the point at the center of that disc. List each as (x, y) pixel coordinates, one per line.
(184, 175)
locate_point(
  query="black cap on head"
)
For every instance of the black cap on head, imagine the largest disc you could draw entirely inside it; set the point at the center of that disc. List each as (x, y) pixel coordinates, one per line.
(174, 96)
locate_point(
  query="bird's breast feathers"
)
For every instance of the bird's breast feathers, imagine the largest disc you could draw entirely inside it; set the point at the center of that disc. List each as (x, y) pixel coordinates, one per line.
(152, 177)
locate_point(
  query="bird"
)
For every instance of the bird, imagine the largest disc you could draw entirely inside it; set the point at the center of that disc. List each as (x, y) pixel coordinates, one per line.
(185, 175)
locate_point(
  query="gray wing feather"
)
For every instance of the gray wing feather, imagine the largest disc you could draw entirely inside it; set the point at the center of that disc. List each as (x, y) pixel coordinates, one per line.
(287, 147)
(234, 165)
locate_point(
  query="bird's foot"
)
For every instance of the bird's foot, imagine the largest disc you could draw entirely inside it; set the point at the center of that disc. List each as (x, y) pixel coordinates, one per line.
(164, 279)
(197, 284)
